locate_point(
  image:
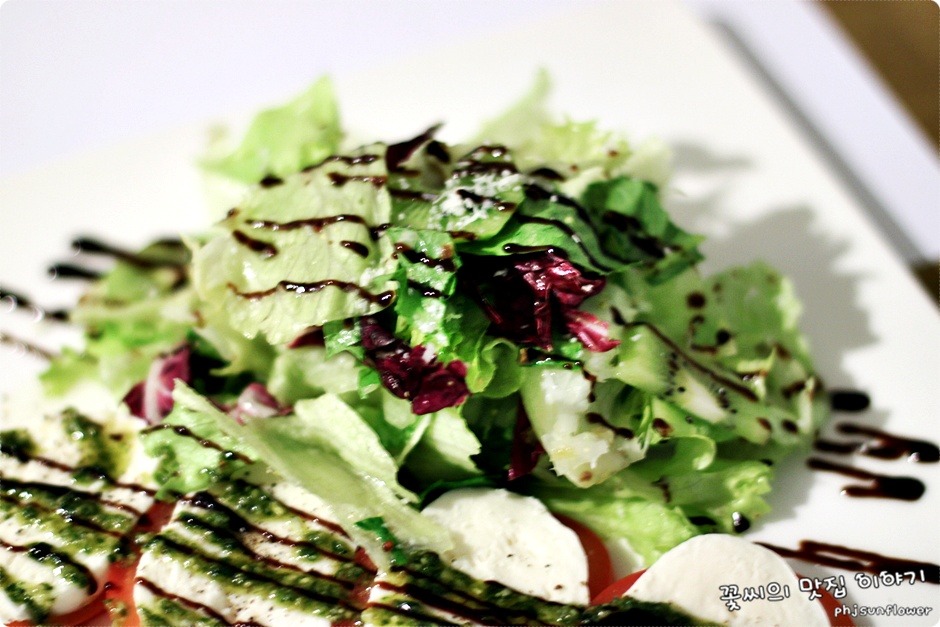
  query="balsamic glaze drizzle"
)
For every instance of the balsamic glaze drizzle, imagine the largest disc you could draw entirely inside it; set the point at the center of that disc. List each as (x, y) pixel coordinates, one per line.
(846, 558)
(882, 445)
(848, 400)
(29, 347)
(20, 301)
(186, 433)
(72, 271)
(382, 298)
(318, 224)
(41, 551)
(445, 262)
(882, 486)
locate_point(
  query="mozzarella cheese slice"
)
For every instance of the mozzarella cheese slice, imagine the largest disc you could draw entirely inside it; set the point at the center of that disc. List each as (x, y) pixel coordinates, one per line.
(515, 540)
(695, 575)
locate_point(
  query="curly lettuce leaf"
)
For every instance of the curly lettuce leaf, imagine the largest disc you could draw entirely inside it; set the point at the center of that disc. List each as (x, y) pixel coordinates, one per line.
(192, 450)
(328, 449)
(301, 253)
(283, 140)
(139, 309)
(629, 219)
(470, 199)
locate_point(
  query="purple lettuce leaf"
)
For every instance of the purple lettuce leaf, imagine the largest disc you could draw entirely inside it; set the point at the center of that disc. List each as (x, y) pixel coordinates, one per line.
(413, 373)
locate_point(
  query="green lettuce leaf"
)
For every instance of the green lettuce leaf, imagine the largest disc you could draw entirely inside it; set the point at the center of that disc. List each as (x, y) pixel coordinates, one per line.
(141, 308)
(283, 140)
(630, 220)
(301, 253)
(445, 451)
(470, 199)
(624, 507)
(307, 372)
(550, 222)
(328, 449)
(185, 462)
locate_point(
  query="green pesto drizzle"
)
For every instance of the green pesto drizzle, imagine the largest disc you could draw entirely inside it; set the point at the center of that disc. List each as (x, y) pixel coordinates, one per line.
(97, 450)
(17, 443)
(168, 613)
(240, 574)
(37, 599)
(71, 503)
(80, 536)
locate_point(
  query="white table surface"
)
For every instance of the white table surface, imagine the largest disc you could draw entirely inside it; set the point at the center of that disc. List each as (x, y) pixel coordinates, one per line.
(78, 75)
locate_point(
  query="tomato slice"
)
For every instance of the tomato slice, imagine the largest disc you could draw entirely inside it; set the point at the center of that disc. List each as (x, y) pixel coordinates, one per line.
(620, 587)
(119, 589)
(617, 589)
(600, 568)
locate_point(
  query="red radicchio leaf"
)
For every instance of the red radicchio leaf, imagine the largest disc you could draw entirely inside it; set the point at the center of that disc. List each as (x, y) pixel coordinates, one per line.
(256, 401)
(527, 292)
(526, 447)
(152, 398)
(413, 372)
(590, 330)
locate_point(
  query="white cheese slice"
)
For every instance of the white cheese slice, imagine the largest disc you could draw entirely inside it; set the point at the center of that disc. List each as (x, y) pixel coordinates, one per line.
(691, 576)
(515, 540)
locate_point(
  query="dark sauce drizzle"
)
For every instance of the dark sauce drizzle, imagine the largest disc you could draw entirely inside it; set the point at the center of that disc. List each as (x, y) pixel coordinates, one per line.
(345, 159)
(720, 380)
(356, 247)
(596, 419)
(186, 433)
(341, 179)
(318, 224)
(333, 527)
(242, 526)
(66, 515)
(94, 246)
(570, 232)
(93, 472)
(63, 490)
(265, 249)
(425, 290)
(848, 400)
(446, 262)
(382, 298)
(29, 347)
(846, 558)
(435, 601)
(20, 301)
(882, 486)
(310, 594)
(883, 445)
(72, 271)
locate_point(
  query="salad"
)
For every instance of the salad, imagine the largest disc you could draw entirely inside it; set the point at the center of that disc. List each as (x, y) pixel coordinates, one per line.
(278, 419)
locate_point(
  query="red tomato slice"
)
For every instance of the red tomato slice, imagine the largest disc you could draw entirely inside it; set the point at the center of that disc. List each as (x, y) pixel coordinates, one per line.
(616, 589)
(119, 594)
(620, 588)
(600, 569)
(119, 589)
